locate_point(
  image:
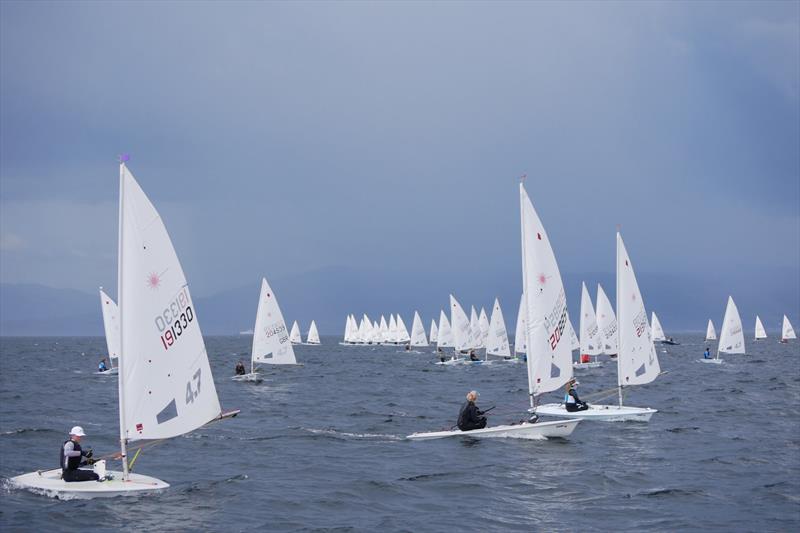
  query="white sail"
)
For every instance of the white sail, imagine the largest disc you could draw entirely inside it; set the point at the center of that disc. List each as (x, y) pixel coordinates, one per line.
(760, 332)
(353, 336)
(711, 333)
(294, 334)
(460, 323)
(549, 352)
(497, 339)
(394, 334)
(731, 336)
(475, 335)
(787, 332)
(418, 332)
(483, 322)
(607, 322)
(637, 362)
(165, 382)
(655, 325)
(313, 334)
(346, 336)
(445, 338)
(110, 325)
(384, 329)
(270, 338)
(377, 335)
(590, 333)
(366, 329)
(402, 331)
(519, 331)
(574, 343)
(434, 332)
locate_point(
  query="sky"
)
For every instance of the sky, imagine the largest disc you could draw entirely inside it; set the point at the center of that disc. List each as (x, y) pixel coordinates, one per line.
(278, 139)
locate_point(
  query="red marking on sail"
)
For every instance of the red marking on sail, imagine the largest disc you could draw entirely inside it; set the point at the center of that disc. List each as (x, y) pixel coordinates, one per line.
(153, 281)
(139, 428)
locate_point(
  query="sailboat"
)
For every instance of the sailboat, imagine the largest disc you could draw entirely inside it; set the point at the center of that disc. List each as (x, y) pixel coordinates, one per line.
(313, 334)
(637, 362)
(445, 339)
(483, 322)
(497, 338)
(434, 336)
(402, 332)
(731, 336)
(711, 333)
(475, 335)
(607, 322)
(271, 343)
(294, 334)
(549, 356)
(418, 332)
(760, 331)
(165, 384)
(462, 333)
(590, 343)
(111, 327)
(787, 332)
(658, 332)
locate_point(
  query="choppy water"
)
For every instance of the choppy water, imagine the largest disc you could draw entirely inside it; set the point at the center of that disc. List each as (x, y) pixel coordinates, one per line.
(321, 446)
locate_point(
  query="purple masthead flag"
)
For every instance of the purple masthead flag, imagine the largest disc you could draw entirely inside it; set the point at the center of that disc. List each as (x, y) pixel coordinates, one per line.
(124, 158)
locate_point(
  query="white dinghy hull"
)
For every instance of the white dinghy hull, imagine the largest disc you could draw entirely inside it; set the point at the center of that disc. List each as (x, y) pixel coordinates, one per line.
(110, 372)
(252, 377)
(605, 413)
(537, 431)
(593, 364)
(711, 361)
(49, 483)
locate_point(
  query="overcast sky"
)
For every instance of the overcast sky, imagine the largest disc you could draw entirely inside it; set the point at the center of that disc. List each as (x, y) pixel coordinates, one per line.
(279, 138)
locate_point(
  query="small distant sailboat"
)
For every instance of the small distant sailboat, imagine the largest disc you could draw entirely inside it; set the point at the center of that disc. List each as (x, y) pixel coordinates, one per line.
(165, 386)
(111, 327)
(787, 331)
(711, 333)
(658, 332)
(434, 332)
(637, 362)
(590, 343)
(462, 333)
(761, 333)
(444, 339)
(418, 332)
(313, 334)
(497, 338)
(475, 334)
(294, 334)
(271, 344)
(731, 336)
(607, 322)
(402, 332)
(483, 322)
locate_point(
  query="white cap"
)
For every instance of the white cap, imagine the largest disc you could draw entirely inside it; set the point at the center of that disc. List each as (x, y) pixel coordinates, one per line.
(77, 431)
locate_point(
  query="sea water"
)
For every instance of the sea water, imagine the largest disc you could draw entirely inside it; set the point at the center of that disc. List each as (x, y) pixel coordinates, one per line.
(321, 446)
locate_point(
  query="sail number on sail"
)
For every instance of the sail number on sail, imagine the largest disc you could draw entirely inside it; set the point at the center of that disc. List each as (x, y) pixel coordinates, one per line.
(175, 318)
(557, 319)
(193, 392)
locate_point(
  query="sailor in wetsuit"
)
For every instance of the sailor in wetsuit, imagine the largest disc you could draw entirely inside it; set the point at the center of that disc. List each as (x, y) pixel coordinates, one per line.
(470, 416)
(473, 356)
(240, 371)
(101, 367)
(72, 457)
(571, 400)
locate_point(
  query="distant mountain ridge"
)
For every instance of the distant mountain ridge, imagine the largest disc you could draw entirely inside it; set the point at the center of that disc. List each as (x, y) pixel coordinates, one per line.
(328, 295)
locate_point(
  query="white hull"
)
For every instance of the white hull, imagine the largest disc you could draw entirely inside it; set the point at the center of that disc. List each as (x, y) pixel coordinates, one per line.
(252, 377)
(49, 483)
(450, 362)
(538, 431)
(309, 343)
(605, 413)
(110, 372)
(711, 361)
(593, 364)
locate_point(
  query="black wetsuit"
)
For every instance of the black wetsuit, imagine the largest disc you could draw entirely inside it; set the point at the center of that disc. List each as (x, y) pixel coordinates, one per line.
(471, 417)
(240, 371)
(71, 459)
(577, 405)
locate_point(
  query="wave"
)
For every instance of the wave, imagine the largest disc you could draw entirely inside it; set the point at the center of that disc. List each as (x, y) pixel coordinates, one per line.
(672, 492)
(347, 435)
(27, 430)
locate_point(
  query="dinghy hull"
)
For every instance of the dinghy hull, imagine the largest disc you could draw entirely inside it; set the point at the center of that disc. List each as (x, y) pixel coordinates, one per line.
(49, 483)
(537, 431)
(605, 413)
(252, 377)
(711, 361)
(111, 372)
(593, 364)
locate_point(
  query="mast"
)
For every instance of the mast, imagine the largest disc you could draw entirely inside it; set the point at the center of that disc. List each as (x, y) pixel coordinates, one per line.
(616, 305)
(525, 291)
(123, 441)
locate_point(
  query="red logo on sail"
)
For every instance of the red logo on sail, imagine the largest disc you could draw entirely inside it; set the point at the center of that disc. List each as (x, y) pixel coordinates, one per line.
(153, 280)
(139, 428)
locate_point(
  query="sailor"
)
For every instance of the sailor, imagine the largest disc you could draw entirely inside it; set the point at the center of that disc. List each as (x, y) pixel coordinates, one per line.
(240, 371)
(72, 457)
(101, 367)
(470, 416)
(571, 400)
(473, 356)
(706, 354)
(408, 347)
